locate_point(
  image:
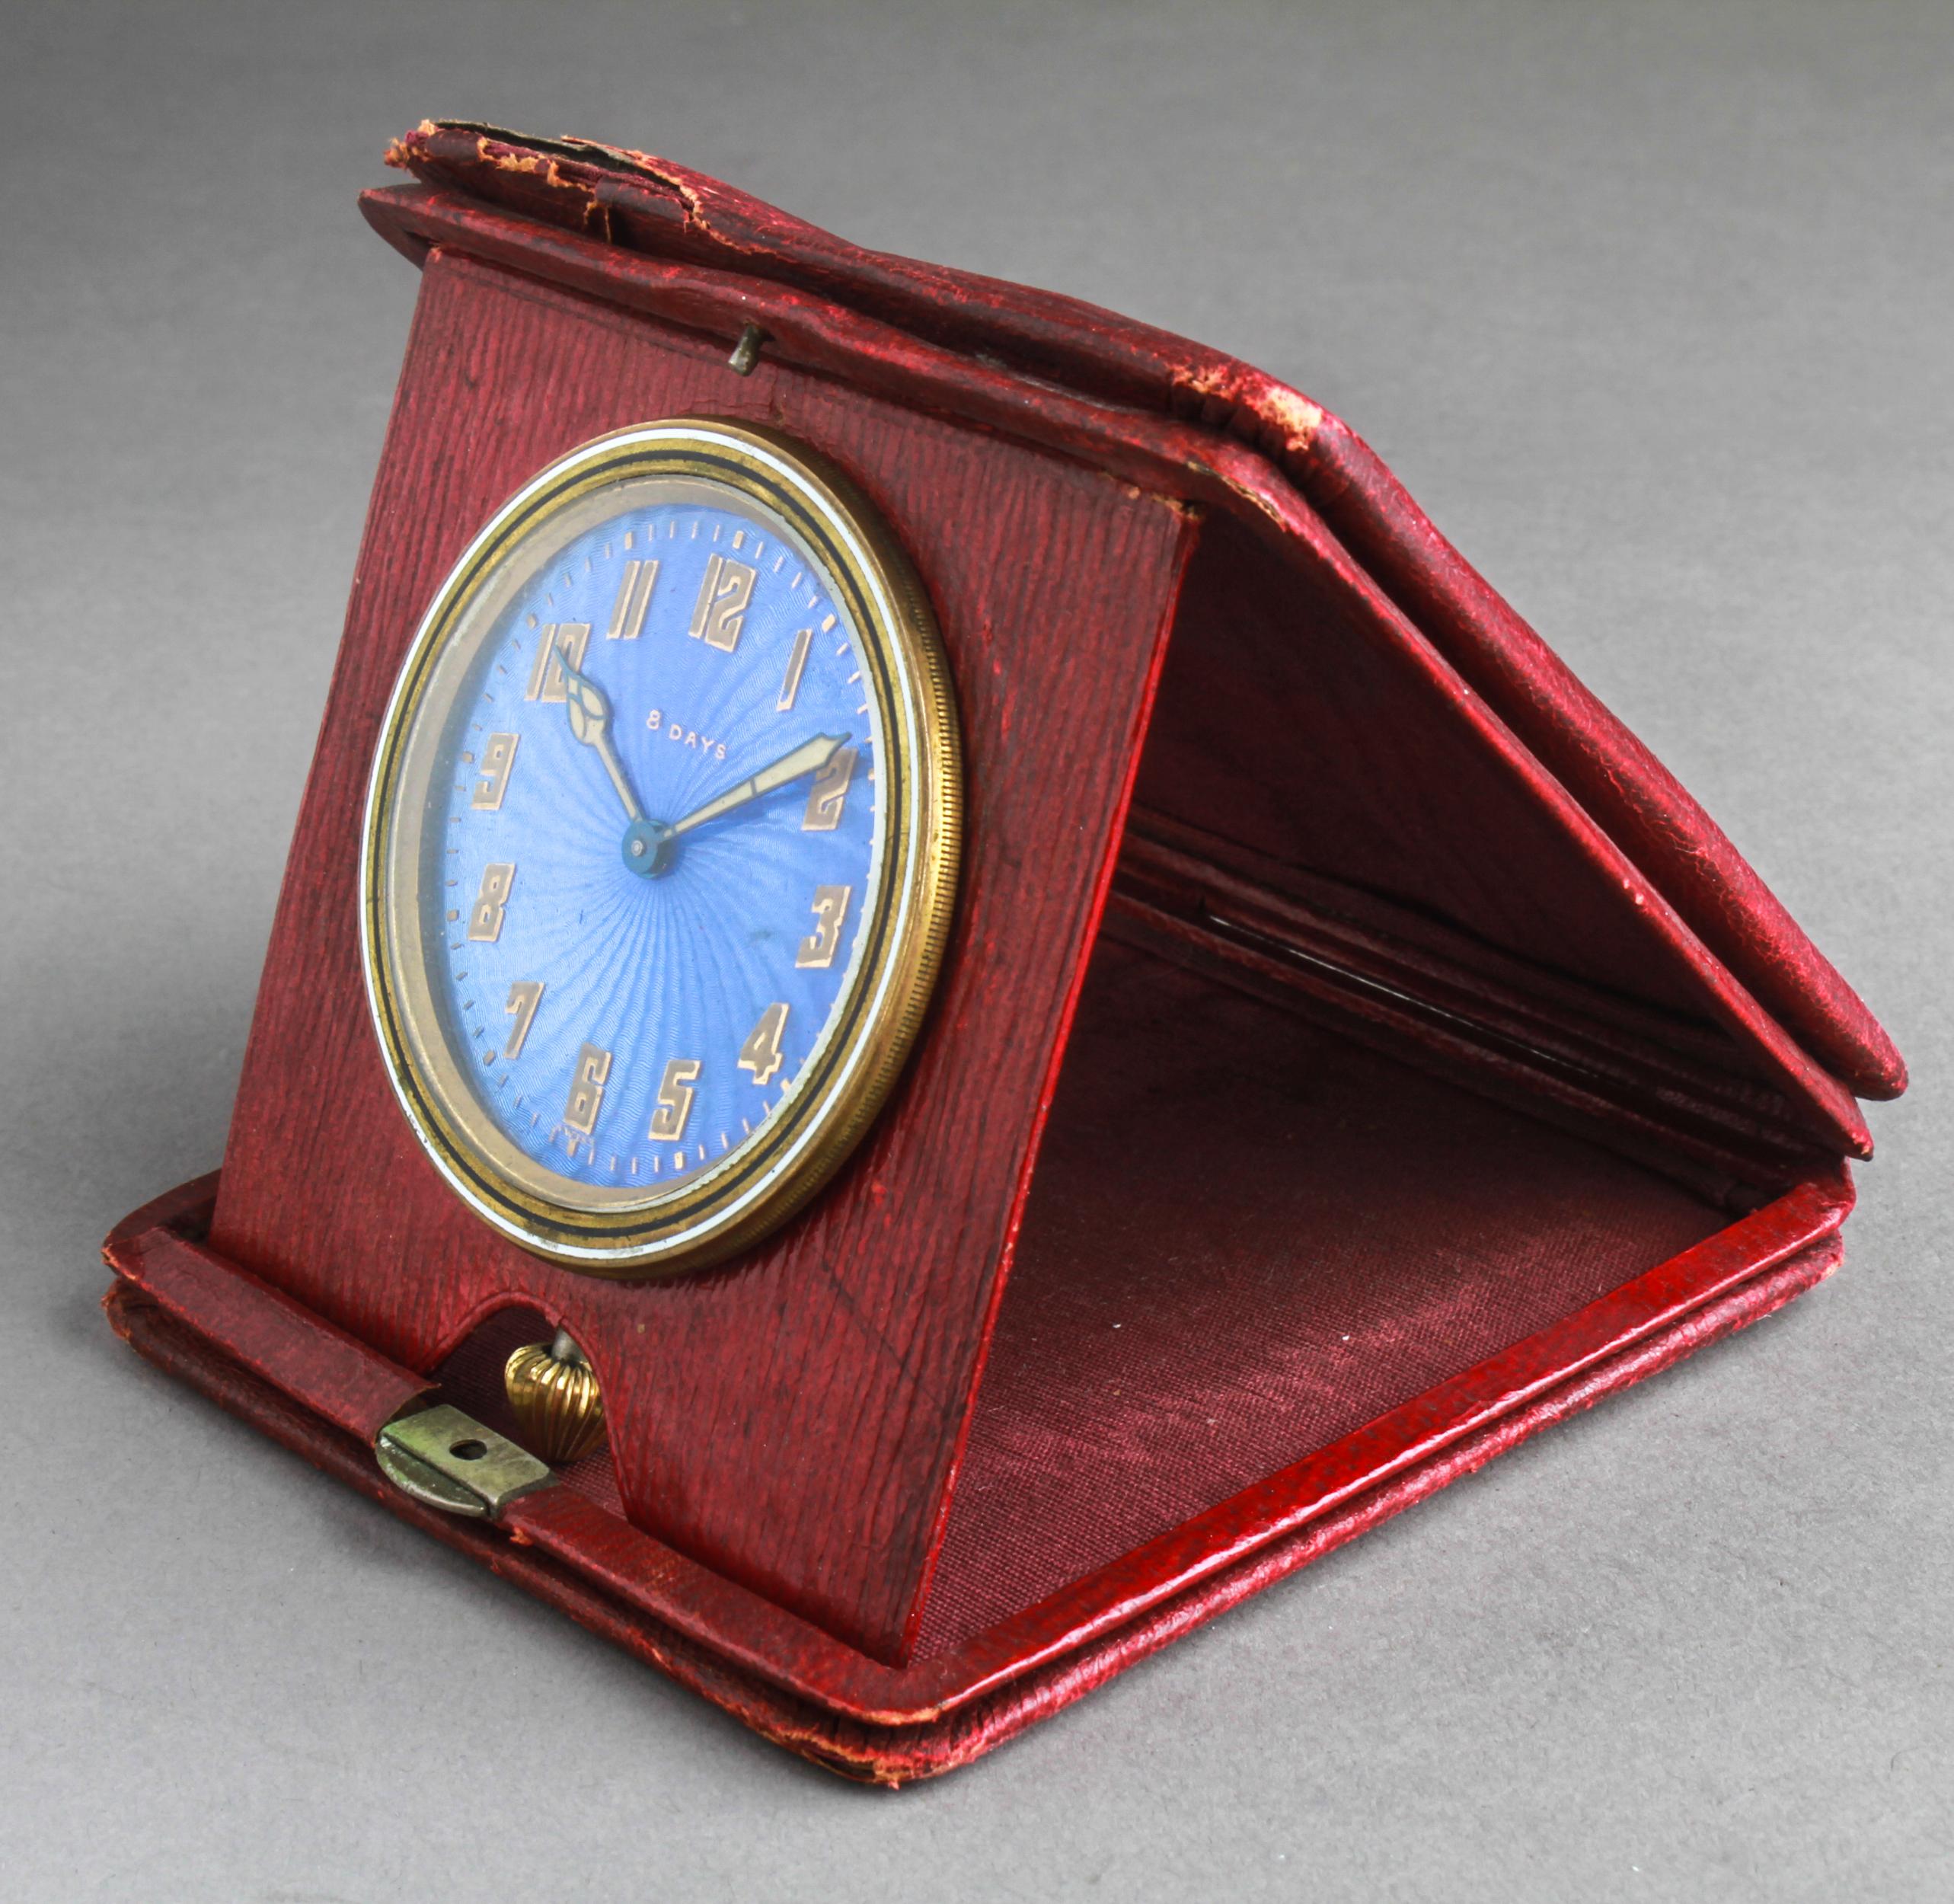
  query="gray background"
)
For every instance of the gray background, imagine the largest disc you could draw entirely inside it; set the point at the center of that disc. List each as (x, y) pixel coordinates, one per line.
(1649, 306)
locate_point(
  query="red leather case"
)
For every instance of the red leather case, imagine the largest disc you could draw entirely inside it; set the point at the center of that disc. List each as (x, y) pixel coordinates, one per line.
(1355, 1052)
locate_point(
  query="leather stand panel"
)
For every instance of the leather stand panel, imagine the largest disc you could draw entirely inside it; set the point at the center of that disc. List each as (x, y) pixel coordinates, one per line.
(791, 1419)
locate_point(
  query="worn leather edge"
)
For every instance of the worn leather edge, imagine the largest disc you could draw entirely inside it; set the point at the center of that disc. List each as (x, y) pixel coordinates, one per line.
(640, 201)
(1179, 458)
(896, 1755)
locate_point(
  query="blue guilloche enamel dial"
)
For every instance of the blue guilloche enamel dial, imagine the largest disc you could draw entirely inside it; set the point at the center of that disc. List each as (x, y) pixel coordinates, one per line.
(657, 838)
(655, 847)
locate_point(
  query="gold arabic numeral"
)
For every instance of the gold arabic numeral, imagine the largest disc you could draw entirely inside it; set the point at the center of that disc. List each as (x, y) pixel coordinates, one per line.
(830, 789)
(721, 608)
(524, 997)
(761, 1053)
(708, 588)
(546, 650)
(559, 641)
(796, 666)
(586, 1089)
(485, 921)
(498, 756)
(675, 1100)
(830, 909)
(634, 598)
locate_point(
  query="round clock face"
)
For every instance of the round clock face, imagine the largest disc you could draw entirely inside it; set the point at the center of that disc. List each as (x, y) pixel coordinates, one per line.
(660, 847)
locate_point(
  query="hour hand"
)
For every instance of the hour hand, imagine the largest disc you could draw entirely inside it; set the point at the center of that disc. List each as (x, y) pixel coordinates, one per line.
(808, 758)
(589, 713)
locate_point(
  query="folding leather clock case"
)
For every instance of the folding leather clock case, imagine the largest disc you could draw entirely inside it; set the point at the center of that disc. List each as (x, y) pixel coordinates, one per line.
(1347, 1051)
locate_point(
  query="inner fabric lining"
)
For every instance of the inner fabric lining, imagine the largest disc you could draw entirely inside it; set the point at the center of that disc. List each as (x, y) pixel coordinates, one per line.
(1247, 1237)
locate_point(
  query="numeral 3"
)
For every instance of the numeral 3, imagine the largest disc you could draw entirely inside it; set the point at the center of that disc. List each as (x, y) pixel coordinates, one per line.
(830, 909)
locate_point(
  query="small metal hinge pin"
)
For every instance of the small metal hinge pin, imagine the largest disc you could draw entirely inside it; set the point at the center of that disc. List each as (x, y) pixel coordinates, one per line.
(746, 352)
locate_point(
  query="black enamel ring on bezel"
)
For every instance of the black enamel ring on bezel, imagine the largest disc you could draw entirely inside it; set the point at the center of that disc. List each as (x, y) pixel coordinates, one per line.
(628, 1231)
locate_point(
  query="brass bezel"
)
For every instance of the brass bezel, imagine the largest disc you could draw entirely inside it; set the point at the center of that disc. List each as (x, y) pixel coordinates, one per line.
(902, 935)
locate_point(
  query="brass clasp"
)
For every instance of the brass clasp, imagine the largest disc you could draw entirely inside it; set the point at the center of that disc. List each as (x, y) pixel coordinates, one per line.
(450, 1461)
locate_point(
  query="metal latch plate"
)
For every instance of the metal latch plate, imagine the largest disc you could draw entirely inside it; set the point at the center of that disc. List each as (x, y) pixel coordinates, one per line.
(450, 1461)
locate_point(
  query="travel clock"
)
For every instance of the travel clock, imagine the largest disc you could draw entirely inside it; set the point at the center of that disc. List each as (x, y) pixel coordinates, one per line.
(661, 846)
(948, 992)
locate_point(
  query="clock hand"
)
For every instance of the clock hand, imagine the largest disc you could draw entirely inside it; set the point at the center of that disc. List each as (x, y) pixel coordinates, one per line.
(807, 758)
(590, 721)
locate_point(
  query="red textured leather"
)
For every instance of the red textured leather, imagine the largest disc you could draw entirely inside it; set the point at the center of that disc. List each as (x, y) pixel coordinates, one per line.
(1045, 1621)
(642, 202)
(330, 1372)
(1439, 1066)
(791, 1419)
(1574, 868)
(793, 1684)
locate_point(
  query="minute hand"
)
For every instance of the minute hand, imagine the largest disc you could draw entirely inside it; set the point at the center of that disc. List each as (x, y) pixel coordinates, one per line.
(808, 758)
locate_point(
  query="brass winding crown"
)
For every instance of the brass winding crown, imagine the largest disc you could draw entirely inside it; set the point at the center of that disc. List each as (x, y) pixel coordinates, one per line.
(558, 1406)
